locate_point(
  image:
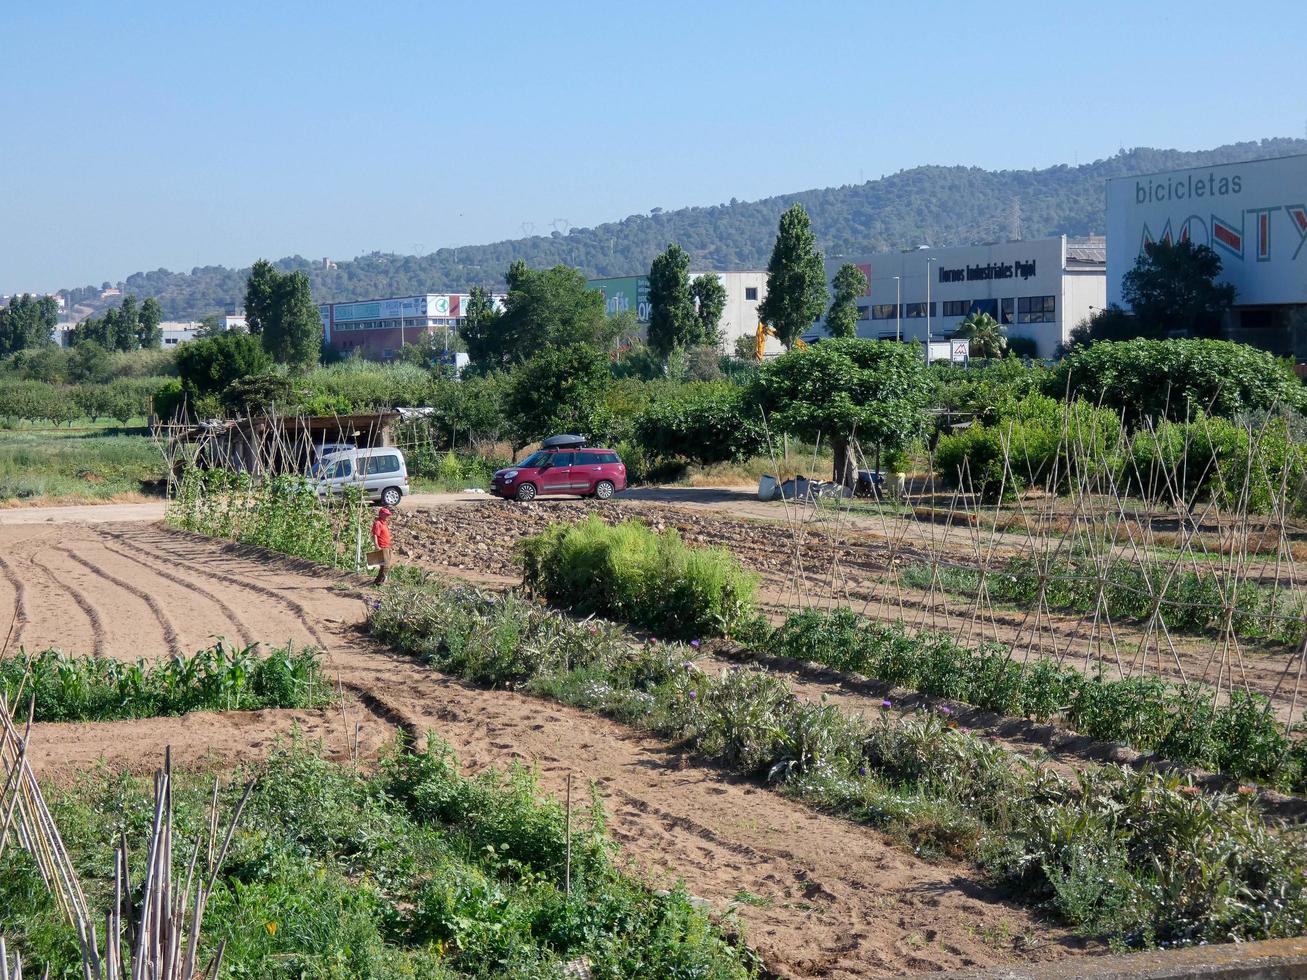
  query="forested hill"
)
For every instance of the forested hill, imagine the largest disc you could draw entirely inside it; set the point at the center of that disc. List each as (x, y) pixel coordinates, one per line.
(935, 205)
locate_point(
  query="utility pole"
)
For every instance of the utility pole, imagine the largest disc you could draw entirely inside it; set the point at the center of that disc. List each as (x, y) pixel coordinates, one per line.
(928, 262)
(898, 308)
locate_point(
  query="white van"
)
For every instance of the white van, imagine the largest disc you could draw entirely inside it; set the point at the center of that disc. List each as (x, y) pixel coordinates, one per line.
(380, 472)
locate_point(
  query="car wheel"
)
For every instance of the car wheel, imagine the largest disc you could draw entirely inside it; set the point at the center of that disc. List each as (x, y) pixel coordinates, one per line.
(604, 490)
(526, 492)
(391, 496)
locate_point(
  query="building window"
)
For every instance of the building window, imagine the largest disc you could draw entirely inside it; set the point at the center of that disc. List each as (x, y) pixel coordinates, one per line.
(916, 310)
(882, 311)
(986, 306)
(863, 312)
(956, 307)
(1037, 309)
(751, 292)
(1007, 306)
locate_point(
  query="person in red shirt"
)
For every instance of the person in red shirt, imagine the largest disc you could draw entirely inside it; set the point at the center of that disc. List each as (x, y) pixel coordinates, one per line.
(381, 538)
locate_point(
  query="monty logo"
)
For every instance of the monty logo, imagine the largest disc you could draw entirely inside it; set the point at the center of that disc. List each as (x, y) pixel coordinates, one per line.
(1231, 234)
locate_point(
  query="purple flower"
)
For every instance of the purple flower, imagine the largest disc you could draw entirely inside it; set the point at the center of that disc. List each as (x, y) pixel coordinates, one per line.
(887, 703)
(946, 710)
(862, 770)
(693, 695)
(694, 643)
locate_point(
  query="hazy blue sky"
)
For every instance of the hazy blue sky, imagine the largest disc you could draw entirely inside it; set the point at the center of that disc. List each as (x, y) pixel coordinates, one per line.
(139, 135)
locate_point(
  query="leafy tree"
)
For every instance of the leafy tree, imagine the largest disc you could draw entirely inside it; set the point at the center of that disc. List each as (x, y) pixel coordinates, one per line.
(673, 319)
(544, 308)
(849, 285)
(710, 303)
(838, 390)
(208, 366)
(148, 332)
(1172, 289)
(555, 391)
(987, 336)
(1175, 379)
(796, 279)
(90, 363)
(292, 328)
(126, 325)
(27, 322)
(209, 326)
(477, 326)
(256, 394)
(260, 295)
(48, 363)
(713, 425)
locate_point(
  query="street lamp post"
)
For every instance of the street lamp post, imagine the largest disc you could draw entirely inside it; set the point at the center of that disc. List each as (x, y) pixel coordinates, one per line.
(898, 308)
(928, 262)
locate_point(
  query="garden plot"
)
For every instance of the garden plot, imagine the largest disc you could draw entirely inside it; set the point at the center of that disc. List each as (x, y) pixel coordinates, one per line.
(890, 568)
(816, 895)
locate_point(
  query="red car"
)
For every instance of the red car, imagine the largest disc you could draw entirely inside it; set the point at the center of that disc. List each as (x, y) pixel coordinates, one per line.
(569, 469)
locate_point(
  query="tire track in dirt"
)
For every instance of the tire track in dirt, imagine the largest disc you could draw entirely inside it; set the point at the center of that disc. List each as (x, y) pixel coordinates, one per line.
(165, 622)
(14, 636)
(297, 609)
(64, 751)
(243, 631)
(92, 614)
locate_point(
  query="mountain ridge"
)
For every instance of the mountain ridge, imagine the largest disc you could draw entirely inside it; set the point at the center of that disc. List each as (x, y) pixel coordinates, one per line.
(930, 204)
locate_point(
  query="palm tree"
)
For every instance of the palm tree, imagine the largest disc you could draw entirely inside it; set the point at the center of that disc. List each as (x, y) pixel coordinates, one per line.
(985, 333)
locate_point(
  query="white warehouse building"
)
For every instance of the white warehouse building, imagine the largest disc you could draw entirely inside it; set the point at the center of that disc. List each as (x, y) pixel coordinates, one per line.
(744, 291)
(1252, 214)
(1039, 289)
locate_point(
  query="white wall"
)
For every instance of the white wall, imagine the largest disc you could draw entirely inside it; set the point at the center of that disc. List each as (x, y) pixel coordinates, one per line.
(1254, 215)
(1006, 270)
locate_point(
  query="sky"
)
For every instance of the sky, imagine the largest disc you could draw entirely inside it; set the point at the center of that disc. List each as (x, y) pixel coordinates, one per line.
(146, 135)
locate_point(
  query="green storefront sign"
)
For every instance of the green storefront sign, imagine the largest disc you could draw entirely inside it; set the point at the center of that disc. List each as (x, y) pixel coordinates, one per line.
(628, 293)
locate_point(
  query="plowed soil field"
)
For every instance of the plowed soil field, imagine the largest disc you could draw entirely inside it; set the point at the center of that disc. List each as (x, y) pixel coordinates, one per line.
(816, 895)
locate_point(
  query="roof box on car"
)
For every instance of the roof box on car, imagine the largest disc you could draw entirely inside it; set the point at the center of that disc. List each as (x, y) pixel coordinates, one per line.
(563, 442)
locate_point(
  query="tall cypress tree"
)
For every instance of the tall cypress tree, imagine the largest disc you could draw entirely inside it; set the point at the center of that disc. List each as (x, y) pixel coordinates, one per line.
(796, 279)
(849, 283)
(673, 319)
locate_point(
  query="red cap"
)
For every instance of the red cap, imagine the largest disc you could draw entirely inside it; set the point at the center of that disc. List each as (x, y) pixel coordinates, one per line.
(384, 512)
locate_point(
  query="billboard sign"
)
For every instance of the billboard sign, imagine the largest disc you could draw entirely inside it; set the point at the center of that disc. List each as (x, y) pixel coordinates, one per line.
(628, 293)
(385, 309)
(1253, 215)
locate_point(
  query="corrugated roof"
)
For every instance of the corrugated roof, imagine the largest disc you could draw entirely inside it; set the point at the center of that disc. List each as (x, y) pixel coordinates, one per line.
(1087, 251)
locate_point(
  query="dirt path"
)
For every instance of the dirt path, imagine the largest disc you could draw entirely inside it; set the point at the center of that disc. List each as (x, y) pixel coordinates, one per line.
(818, 896)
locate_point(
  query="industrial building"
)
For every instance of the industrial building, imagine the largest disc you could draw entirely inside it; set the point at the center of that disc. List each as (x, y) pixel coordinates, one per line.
(378, 328)
(744, 291)
(1253, 215)
(1038, 289)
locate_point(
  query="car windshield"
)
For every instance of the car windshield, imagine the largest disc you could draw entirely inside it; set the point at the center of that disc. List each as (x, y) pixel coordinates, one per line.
(535, 459)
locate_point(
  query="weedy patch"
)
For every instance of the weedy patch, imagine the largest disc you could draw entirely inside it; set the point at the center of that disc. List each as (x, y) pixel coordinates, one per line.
(414, 871)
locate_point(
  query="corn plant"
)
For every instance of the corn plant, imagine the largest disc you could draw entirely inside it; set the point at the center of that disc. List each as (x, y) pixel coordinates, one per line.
(219, 678)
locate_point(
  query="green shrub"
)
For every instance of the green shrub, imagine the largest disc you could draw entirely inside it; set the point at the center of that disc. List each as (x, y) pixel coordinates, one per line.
(1232, 464)
(715, 426)
(1177, 379)
(635, 575)
(1038, 441)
